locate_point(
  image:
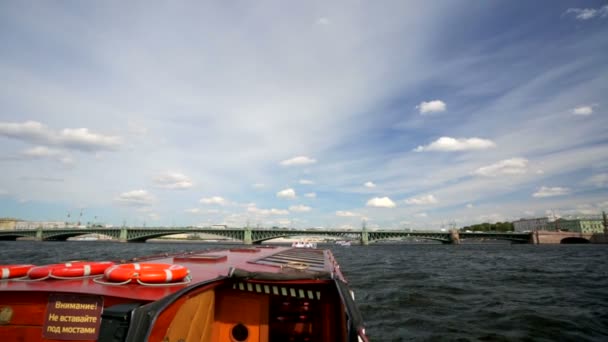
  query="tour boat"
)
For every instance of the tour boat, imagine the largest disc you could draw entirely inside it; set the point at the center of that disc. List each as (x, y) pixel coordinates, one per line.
(263, 293)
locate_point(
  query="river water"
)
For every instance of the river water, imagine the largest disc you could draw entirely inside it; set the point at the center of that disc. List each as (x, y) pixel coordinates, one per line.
(429, 292)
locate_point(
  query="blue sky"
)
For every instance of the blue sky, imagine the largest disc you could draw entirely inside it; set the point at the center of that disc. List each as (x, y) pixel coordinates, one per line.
(303, 114)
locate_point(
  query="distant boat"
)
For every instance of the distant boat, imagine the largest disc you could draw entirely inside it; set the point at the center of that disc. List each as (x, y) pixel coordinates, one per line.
(343, 243)
(302, 244)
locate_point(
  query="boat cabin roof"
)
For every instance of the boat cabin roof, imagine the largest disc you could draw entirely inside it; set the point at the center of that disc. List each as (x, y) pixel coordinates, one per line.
(203, 266)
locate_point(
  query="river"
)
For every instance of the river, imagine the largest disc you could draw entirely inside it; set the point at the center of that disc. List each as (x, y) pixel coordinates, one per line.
(432, 292)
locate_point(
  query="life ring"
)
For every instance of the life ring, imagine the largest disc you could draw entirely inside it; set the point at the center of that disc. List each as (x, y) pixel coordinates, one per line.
(14, 271)
(69, 269)
(147, 273)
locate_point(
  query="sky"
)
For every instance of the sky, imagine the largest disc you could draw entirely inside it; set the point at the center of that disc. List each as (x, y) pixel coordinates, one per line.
(399, 114)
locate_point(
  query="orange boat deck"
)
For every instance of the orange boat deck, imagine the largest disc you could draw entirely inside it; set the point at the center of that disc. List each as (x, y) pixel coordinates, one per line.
(239, 294)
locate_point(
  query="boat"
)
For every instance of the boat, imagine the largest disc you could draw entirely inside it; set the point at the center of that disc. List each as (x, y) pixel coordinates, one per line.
(262, 293)
(303, 244)
(343, 243)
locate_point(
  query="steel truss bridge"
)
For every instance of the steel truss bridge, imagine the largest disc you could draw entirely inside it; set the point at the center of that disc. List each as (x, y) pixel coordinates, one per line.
(258, 236)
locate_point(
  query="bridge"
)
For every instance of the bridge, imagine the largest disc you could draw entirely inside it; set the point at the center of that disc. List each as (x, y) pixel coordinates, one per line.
(257, 236)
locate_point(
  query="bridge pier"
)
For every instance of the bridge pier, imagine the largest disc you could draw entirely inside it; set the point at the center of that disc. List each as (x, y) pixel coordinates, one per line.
(454, 237)
(123, 235)
(39, 234)
(247, 239)
(364, 237)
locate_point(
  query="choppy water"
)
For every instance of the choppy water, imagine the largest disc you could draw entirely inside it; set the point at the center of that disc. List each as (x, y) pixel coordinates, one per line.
(435, 292)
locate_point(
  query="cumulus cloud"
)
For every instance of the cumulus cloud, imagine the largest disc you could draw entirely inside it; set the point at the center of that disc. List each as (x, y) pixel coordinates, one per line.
(300, 208)
(447, 144)
(422, 200)
(431, 107)
(513, 166)
(287, 193)
(342, 213)
(300, 160)
(583, 110)
(216, 200)
(381, 202)
(82, 139)
(310, 195)
(266, 212)
(71, 138)
(588, 13)
(173, 180)
(369, 185)
(550, 192)
(135, 198)
(306, 182)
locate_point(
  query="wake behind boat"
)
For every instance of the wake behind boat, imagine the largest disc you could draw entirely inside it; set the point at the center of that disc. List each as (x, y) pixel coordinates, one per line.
(239, 294)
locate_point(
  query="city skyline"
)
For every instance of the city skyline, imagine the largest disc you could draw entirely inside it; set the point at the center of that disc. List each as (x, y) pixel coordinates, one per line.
(303, 114)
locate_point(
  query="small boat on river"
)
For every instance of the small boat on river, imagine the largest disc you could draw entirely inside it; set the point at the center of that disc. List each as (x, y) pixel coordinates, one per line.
(304, 244)
(239, 294)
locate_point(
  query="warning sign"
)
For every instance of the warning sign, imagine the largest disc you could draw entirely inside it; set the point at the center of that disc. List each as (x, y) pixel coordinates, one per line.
(72, 317)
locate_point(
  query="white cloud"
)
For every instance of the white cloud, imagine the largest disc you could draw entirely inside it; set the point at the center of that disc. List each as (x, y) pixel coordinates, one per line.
(369, 185)
(300, 160)
(287, 193)
(154, 216)
(599, 180)
(40, 152)
(469, 206)
(266, 212)
(588, 13)
(342, 213)
(306, 182)
(71, 138)
(310, 195)
(550, 192)
(431, 107)
(217, 200)
(583, 110)
(447, 144)
(300, 208)
(173, 180)
(82, 139)
(422, 200)
(193, 210)
(136, 198)
(258, 185)
(513, 166)
(323, 21)
(423, 215)
(381, 202)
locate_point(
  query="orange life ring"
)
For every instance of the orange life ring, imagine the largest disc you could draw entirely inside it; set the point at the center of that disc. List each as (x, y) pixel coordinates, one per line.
(14, 271)
(147, 273)
(70, 269)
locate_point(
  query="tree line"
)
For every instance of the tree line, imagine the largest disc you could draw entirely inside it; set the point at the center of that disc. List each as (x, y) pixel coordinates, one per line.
(489, 227)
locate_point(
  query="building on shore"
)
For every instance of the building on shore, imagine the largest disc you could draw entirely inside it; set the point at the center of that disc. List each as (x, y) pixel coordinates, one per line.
(8, 223)
(531, 224)
(40, 224)
(577, 225)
